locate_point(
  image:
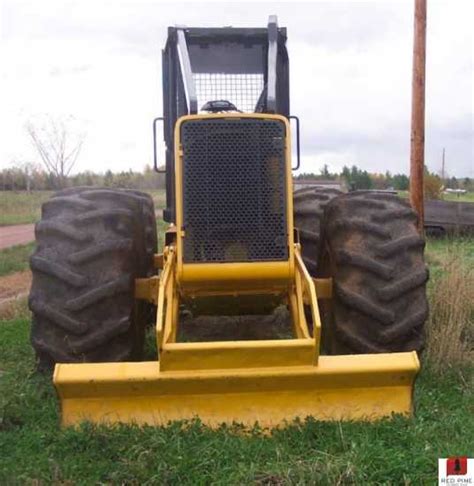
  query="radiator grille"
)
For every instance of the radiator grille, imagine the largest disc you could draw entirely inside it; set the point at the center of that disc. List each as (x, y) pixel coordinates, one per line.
(234, 201)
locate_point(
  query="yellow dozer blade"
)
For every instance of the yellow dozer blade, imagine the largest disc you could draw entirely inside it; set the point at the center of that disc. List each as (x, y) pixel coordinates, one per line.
(364, 387)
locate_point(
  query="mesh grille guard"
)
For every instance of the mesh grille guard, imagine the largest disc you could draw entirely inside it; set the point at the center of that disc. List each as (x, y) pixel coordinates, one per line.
(234, 190)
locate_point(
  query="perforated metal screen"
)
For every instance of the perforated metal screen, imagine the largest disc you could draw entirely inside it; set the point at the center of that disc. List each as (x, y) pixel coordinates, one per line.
(243, 90)
(234, 203)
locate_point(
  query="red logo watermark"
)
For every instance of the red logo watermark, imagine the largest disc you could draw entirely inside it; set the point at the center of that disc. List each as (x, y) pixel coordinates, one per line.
(458, 470)
(456, 466)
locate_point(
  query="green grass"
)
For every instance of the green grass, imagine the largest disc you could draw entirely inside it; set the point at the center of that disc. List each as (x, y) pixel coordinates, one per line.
(398, 451)
(451, 244)
(468, 197)
(161, 227)
(15, 258)
(159, 198)
(21, 207)
(440, 250)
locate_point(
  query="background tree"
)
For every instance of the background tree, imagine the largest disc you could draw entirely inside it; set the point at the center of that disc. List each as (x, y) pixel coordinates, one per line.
(356, 179)
(468, 184)
(452, 183)
(400, 182)
(433, 185)
(57, 144)
(379, 181)
(325, 174)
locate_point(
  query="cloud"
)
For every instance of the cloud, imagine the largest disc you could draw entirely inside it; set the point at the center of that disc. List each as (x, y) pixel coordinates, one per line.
(350, 68)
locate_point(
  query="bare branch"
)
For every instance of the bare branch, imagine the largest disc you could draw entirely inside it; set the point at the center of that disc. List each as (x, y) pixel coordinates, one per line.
(57, 147)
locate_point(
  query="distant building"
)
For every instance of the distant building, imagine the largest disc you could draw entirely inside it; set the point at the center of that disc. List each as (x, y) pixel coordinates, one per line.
(301, 183)
(455, 191)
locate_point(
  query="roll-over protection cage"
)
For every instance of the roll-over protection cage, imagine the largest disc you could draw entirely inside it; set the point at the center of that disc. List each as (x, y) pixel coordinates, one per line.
(247, 67)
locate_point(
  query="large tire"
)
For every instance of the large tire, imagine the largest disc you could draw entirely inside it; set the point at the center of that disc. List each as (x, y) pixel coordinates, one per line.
(374, 254)
(91, 245)
(149, 222)
(145, 311)
(308, 209)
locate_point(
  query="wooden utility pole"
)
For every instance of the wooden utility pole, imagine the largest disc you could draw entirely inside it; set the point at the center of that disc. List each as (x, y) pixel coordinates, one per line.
(417, 149)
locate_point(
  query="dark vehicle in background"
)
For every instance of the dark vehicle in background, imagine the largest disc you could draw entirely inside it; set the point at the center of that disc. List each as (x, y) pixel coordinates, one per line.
(449, 217)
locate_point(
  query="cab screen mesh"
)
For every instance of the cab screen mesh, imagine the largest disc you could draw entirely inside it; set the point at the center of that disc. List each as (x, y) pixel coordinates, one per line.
(234, 192)
(243, 90)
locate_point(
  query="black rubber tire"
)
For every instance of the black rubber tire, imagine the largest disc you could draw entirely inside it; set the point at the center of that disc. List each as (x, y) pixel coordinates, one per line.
(145, 310)
(91, 245)
(148, 219)
(308, 210)
(374, 254)
(149, 222)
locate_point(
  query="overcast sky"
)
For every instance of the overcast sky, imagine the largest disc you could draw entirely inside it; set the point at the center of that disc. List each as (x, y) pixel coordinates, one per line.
(350, 63)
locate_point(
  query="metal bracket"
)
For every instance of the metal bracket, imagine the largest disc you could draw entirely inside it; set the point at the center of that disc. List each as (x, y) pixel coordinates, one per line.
(158, 261)
(272, 63)
(185, 63)
(155, 158)
(298, 161)
(147, 289)
(323, 288)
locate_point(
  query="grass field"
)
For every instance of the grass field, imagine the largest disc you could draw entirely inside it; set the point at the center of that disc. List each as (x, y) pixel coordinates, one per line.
(441, 250)
(159, 198)
(21, 207)
(34, 450)
(468, 197)
(15, 258)
(402, 451)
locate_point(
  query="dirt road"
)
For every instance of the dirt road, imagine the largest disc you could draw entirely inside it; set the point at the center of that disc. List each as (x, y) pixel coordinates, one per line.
(16, 235)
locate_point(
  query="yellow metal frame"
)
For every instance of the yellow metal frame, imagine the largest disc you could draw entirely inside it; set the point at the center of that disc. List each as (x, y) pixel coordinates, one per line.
(270, 382)
(234, 275)
(300, 351)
